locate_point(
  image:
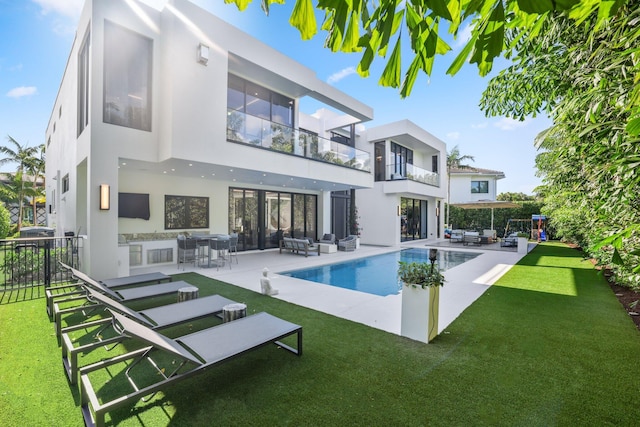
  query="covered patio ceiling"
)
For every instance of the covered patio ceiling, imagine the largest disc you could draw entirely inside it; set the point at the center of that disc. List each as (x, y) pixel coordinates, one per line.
(190, 169)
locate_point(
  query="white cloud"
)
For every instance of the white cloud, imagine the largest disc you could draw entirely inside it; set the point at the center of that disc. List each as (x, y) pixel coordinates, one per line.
(453, 136)
(482, 125)
(464, 35)
(336, 77)
(19, 92)
(70, 8)
(506, 123)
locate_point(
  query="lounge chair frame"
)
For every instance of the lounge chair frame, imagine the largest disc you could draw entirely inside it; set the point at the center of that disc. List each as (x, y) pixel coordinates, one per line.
(202, 350)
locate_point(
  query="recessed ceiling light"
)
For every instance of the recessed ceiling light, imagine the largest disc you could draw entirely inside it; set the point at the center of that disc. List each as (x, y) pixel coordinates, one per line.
(230, 170)
(124, 163)
(173, 170)
(190, 164)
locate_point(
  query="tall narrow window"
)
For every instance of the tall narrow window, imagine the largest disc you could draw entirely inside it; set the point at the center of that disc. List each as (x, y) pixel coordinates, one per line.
(83, 84)
(127, 78)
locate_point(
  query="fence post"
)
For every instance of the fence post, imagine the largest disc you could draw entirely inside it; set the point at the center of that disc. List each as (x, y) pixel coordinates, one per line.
(47, 263)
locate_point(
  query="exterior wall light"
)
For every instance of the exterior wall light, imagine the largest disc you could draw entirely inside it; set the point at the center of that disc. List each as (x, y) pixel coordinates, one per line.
(105, 193)
(203, 54)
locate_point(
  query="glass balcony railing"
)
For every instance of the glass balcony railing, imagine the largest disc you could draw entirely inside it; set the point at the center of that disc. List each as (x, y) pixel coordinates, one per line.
(263, 133)
(413, 173)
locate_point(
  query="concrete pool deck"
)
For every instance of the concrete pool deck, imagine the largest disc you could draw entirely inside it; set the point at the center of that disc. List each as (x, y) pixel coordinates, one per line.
(465, 283)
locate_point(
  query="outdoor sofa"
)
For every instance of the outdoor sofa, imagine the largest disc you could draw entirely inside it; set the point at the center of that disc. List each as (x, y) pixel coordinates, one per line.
(471, 238)
(298, 246)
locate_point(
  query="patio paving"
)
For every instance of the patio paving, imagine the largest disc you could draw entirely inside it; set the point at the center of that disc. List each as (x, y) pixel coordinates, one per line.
(464, 283)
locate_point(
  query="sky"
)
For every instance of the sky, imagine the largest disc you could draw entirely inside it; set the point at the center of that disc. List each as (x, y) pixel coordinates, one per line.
(36, 38)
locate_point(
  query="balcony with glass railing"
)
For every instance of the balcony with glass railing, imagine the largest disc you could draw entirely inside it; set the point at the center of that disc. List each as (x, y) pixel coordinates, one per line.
(412, 173)
(259, 132)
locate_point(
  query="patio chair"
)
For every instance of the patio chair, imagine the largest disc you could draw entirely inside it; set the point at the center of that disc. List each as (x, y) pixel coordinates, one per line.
(233, 246)
(187, 248)
(348, 243)
(510, 240)
(190, 355)
(221, 246)
(328, 238)
(156, 318)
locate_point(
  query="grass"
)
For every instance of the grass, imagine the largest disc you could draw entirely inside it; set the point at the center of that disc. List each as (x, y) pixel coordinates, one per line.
(547, 345)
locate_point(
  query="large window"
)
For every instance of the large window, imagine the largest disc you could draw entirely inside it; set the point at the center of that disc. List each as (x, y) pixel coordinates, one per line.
(127, 78)
(83, 84)
(182, 212)
(479, 187)
(258, 101)
(262, 218)
(401, 157)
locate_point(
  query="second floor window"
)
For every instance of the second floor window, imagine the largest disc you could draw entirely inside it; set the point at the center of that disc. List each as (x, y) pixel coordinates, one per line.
(127, 77)
(258, 101)
(479, 187)
(401, 157)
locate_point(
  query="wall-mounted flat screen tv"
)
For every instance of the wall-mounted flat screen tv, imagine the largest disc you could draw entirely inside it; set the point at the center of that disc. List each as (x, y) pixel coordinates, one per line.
(133, 205)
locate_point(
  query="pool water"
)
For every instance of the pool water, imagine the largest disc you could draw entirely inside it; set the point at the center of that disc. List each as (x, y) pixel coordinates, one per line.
(378, 274)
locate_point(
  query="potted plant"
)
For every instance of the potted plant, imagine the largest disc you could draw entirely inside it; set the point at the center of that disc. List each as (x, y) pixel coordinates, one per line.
(420, 298)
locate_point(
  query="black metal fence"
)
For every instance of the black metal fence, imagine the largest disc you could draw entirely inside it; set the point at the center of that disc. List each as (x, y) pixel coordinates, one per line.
(34, 261)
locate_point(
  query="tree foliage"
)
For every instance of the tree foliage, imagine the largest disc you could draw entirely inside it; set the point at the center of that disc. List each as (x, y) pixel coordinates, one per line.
(26, 160)
(586, 78)
(379, 29)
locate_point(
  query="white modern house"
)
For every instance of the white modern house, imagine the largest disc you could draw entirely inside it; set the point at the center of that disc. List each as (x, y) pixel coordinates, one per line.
(409, 188)
(473, 184)
(171, 121)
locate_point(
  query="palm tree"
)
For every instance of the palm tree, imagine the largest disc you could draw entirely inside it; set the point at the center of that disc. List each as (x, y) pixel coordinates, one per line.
(23, 157)
(36, 170)
(454, 161)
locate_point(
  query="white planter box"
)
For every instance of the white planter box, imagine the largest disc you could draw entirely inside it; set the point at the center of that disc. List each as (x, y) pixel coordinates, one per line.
(523, 245)
(420, 310)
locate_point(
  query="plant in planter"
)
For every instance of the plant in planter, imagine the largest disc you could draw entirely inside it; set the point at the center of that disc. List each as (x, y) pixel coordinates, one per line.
(420, 298)
(421, 274)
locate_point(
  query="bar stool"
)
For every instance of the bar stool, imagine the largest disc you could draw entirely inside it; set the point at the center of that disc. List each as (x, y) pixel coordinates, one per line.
(221, 246)
(233, 246)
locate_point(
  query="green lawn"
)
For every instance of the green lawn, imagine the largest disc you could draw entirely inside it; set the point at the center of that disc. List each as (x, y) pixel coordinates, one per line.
(547, 345)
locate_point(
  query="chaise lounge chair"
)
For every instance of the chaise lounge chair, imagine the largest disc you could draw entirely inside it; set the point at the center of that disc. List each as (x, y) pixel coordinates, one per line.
(77, 289)
(191, 355)
(155, 318)
(121, 295)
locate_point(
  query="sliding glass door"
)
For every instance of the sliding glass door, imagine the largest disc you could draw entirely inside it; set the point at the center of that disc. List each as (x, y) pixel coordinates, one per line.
(413, 223)
(261, 218)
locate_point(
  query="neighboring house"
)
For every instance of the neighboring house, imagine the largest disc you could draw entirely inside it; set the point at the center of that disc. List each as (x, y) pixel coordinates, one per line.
(171, 121)
(473, 184)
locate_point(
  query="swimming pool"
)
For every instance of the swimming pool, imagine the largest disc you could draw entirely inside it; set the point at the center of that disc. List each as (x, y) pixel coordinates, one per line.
(377, 274)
